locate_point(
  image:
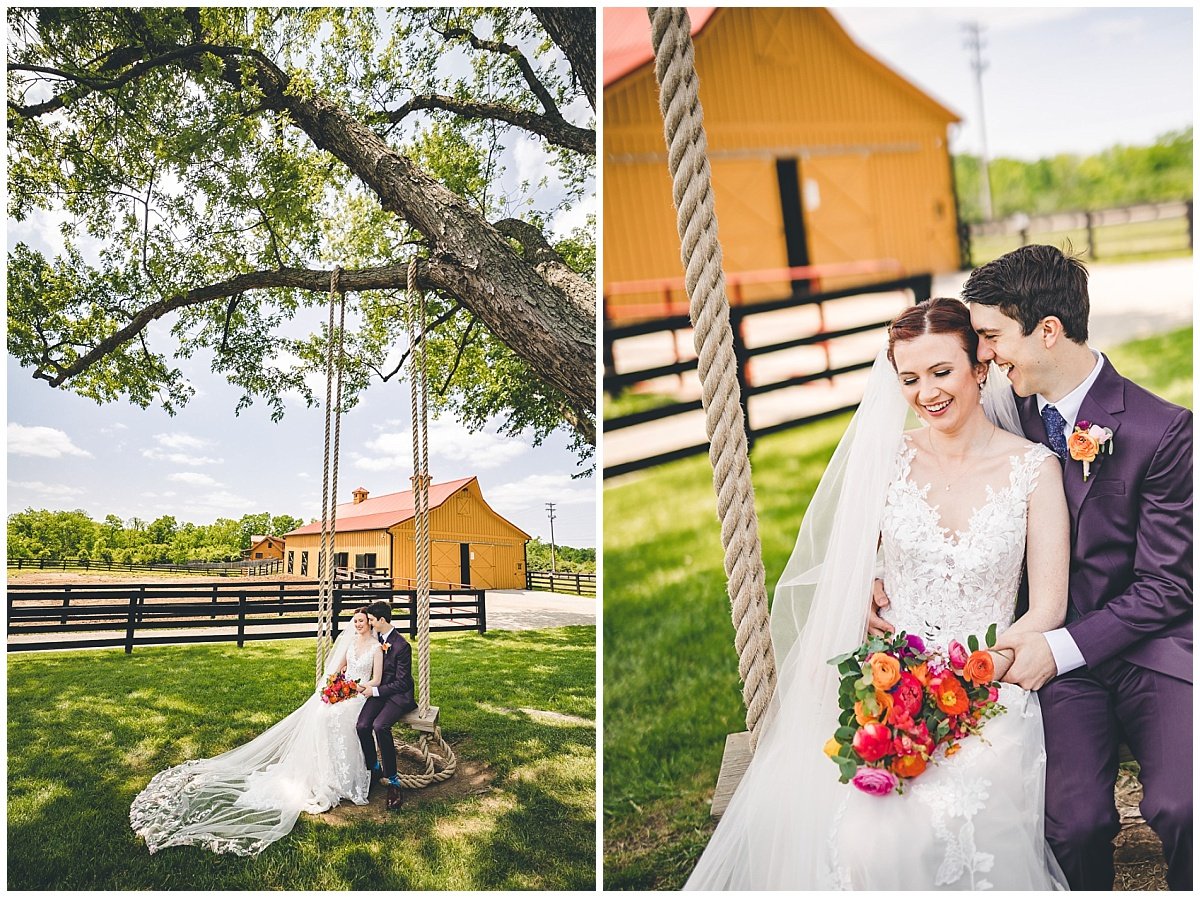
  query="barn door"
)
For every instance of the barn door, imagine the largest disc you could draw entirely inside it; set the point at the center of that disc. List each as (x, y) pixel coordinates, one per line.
(839, 209)
(746, 194)
(787, 172)
(443, 560)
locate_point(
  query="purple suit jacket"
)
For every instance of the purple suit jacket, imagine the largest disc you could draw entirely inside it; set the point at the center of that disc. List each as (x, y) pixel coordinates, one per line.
(1131, 528)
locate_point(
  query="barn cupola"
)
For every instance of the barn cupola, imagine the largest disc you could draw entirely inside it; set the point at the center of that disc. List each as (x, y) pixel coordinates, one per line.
(360, 495)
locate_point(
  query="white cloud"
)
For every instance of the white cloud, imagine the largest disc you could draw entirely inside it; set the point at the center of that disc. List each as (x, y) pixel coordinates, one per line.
(115, 427)
(42, 442)
(48, 491)
(538, 489)
(192, 478)
(533, 162)
(179, 458)
(575, 217)
(449, 441)
(180, 441)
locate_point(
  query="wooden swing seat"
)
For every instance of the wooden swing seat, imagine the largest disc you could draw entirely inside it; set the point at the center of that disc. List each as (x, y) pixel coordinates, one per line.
(426, 724)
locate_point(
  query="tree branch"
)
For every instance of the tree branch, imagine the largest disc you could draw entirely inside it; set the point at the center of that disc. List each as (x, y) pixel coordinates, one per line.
(517, 57)
(554, 128)
(432, 326)
(573, 29)
(462, 345)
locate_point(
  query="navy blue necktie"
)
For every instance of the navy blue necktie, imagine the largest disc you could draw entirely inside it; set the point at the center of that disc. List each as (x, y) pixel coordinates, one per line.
(1055, 423)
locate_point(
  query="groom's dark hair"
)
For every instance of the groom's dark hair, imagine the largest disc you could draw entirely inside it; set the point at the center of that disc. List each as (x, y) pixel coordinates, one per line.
(380, 609)
(1033, 283)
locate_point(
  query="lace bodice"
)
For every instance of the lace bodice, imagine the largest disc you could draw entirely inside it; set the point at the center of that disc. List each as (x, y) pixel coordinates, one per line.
(359, 668)
(944, 585)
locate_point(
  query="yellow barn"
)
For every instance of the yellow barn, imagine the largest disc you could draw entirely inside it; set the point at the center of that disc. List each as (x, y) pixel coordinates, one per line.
(821, 155)
(472, 546)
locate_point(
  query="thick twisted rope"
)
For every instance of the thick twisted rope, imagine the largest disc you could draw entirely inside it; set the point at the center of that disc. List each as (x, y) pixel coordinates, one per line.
(687, 160)
(333, 422)
(432, 751)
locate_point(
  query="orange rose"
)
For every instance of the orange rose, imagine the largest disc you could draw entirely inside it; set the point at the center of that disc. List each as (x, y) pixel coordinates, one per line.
(921, 672)
(950, 696)
(908, 766)
(885, 670)
(1083, 446)
(884, 702)
(979, 668)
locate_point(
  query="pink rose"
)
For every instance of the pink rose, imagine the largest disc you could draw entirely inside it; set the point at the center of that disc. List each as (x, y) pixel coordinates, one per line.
(958, 654)
(872, 741)
(993, 694)
(874, 781)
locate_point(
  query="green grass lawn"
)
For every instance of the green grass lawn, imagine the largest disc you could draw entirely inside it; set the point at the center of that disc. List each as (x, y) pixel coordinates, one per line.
(671, 688)
(87, 730)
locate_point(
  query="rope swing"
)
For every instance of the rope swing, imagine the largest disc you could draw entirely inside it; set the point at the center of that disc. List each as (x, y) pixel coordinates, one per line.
(432, 752)
(334, 354)
(687, 160)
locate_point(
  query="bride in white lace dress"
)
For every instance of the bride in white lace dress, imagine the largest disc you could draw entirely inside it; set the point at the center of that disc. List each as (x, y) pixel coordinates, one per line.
(955, 508)
(242, 801)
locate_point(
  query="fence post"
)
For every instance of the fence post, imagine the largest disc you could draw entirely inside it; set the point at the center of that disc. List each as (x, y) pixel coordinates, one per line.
(1090, 223)
(241, 634)
(337, 607)
(141, 604)
(132, 623)
(66, 602)
(481, 599)
(412, 615)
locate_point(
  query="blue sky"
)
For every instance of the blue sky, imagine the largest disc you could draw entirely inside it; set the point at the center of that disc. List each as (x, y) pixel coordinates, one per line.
(1059, 79)
(66, 452)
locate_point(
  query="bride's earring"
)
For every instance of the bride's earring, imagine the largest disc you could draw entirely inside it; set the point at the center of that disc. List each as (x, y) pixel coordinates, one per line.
(981, 383)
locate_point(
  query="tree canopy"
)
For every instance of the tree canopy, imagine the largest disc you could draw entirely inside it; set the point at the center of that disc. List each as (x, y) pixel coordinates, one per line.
(38, 533)
(1118, 176)
(213, 166)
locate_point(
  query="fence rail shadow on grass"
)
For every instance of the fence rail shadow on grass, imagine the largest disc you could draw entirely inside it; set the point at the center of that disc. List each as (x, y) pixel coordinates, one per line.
(560, 581)
(218, 569)
(131, 615)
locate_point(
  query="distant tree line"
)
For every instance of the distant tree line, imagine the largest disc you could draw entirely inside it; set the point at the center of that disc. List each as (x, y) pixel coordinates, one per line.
(1118, 176)
(567, 559)
(53, 535)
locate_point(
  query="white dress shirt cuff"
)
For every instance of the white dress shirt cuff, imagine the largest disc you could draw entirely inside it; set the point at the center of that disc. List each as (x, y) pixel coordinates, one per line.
(1067, 656)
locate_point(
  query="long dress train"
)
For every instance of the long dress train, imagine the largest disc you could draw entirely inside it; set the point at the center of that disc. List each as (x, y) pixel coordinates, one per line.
(243, 800)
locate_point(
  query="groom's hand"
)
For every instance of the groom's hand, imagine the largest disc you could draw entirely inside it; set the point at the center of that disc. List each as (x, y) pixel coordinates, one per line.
(876, 625)
(1034, 664)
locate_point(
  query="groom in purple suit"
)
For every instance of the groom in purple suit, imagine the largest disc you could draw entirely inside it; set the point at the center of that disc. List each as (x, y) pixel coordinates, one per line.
(1121, 667)
(390, 700)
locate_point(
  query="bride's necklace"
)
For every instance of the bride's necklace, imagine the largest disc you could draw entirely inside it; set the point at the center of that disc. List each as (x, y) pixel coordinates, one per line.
(966, 468)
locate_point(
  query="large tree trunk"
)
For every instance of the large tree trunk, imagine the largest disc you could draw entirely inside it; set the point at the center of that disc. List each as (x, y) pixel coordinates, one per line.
(574, 30)
(552, 330)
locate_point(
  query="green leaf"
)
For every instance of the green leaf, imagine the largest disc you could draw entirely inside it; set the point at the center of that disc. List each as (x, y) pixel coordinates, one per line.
(991, 636)
(844, 735)
(973, 643)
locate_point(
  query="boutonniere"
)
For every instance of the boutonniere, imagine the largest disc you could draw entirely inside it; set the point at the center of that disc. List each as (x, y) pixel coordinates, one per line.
(385, 646)
(1088, 441)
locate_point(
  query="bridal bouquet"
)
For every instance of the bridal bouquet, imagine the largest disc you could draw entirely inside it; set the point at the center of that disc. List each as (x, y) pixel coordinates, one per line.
(337, 689)
(901, 703)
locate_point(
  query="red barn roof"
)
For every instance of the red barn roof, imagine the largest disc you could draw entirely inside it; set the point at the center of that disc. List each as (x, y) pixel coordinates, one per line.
(382, 512)
(627, 44)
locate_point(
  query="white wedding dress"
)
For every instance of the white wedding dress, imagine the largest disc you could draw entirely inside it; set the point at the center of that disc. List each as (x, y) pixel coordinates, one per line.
(242, 801)
(973, 821)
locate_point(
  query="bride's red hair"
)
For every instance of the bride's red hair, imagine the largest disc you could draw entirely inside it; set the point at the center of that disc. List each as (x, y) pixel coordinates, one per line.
(935, 316)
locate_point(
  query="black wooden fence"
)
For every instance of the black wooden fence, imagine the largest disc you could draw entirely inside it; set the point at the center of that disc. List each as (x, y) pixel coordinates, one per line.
(560, 581)
(218, 569)
(128, 615)
(919, 286)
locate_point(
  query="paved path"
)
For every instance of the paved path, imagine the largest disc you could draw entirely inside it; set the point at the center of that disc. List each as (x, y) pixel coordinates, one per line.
(1136, 299)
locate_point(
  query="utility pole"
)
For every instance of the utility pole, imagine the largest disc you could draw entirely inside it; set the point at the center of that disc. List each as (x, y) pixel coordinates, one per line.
(553, 562)
(978, 65)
